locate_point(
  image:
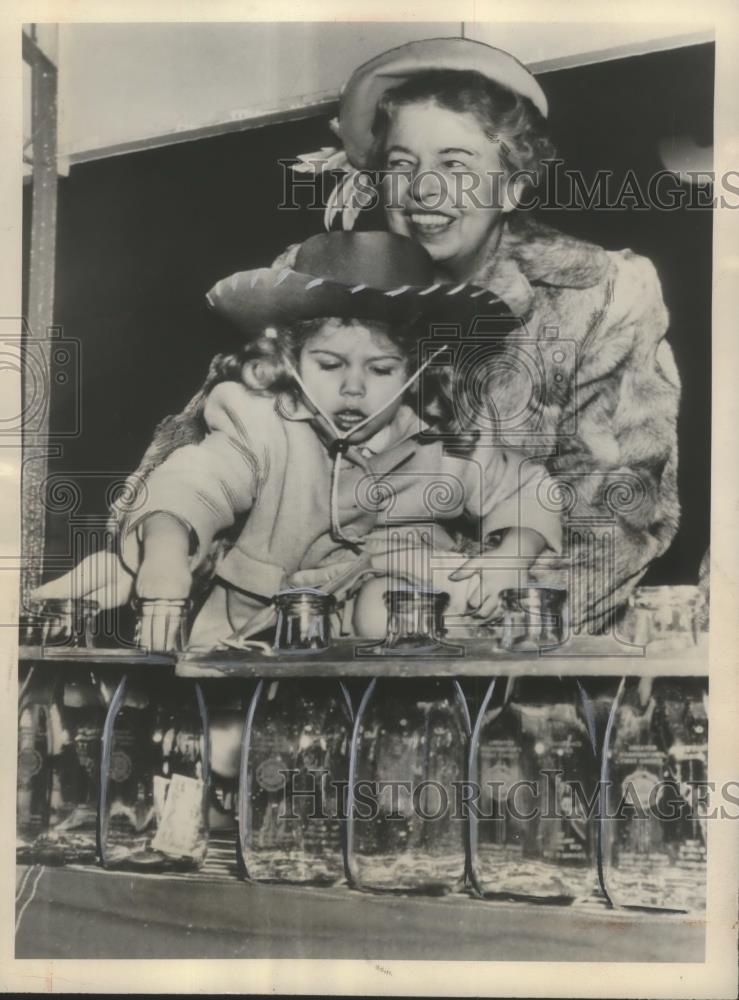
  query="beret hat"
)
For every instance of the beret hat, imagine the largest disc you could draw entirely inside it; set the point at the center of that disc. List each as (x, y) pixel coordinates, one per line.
(369, 82)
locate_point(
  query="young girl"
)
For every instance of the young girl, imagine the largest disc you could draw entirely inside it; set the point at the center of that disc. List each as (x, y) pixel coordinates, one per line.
(334, 433)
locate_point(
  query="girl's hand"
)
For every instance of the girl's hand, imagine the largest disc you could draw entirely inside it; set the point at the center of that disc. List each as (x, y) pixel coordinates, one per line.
(484, 587)
(515, 554)
(101, 577)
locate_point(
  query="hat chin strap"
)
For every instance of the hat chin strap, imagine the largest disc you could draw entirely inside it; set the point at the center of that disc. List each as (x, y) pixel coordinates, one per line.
(341, 438)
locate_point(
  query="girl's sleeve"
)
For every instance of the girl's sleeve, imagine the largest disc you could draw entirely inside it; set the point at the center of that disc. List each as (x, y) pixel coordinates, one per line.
(617, 472)
(207, 485)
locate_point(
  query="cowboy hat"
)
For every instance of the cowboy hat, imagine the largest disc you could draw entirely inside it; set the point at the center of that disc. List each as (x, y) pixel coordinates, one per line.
(370, 275)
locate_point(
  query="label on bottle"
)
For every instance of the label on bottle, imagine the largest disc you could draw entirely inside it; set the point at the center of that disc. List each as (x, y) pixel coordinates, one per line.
(161, 787)
(120, 766)
(30, 763)
(646, 754)
(180, 832)
(641, 785)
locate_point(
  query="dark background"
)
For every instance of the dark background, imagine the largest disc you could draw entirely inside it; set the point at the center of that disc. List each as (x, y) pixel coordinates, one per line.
(142, 237)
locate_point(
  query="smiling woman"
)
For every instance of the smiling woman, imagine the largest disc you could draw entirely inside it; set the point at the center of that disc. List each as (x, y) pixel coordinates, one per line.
(587, 382)
(457, 151)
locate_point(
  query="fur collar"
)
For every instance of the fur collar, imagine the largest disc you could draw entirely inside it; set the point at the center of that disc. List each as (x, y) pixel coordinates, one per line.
(531, 253)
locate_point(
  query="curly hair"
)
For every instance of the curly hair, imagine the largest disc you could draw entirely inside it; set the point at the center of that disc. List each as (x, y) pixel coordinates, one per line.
(262, 365)
(506, 117)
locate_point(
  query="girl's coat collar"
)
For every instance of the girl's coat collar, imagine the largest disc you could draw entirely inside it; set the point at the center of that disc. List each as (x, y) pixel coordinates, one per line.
(405, 427)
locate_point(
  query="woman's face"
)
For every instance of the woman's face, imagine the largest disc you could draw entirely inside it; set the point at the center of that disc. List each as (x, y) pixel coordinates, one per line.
(351, 369)
(445, 187)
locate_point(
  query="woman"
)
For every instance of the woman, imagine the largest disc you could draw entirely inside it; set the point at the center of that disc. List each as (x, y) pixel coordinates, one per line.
(457, 130)
(587, 382)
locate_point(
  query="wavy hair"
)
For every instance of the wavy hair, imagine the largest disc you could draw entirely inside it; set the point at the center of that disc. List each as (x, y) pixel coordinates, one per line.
(263, 365)
(506, 117)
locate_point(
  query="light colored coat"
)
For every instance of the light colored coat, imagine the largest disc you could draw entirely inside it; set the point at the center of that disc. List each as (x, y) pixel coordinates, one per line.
(262, 467)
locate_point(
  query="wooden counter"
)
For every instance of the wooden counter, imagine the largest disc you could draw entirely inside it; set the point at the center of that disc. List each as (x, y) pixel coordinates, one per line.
(584, 656)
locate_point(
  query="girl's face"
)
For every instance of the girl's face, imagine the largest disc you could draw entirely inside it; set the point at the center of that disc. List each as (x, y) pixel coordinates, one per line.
(351, 369)
(446, 187)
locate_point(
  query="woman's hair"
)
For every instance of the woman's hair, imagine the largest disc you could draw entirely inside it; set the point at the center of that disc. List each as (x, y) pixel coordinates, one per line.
(506, 117)
(263, 365)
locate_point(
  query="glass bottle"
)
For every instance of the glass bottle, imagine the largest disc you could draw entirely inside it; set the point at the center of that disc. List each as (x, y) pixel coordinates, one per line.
(654, 850)
(532, 751)
(667, 619)
(293, 781)
(77, 716)
(155, 775)
(34, 771)
(406, 831)
(59, 622)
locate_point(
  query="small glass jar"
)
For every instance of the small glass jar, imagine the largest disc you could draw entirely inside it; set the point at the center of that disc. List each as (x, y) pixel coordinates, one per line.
(415, 625)
(415, 618)
(533, 618)
(60, 622)
(162, 624)
(303, 620)
(666, 619)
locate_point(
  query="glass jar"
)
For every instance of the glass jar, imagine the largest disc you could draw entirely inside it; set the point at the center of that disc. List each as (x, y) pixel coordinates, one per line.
(406, 826)
(295, 762)
(34, 773)
(415, 618)
(155, 775)
(533, 618)
(303, 620)
(655, 763)
(162, 624)
(60, 622)
(415, 625)
(533, 758)
(666, 619)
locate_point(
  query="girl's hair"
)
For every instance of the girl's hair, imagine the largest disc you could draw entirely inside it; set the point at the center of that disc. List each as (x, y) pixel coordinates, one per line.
(506, 117)
(262, 365)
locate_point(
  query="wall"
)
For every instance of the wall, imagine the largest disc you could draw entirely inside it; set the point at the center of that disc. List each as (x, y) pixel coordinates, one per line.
(124, 85)
(121, 83)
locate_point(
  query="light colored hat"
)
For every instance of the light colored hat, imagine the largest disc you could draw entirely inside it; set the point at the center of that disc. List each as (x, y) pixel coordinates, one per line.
(368, 83)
